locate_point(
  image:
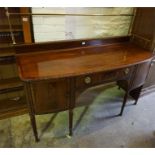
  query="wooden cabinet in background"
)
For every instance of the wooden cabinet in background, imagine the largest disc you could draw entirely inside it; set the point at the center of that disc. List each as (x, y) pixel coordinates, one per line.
(143, 33)
(12, 97)
(18, 25)
(5, 29)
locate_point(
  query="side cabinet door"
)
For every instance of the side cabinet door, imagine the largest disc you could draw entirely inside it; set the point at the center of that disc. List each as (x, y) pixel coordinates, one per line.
(141, 74)
(50, 96)
(150, 81)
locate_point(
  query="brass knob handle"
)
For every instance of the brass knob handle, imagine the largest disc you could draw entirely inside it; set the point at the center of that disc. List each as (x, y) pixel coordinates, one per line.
(153, 63)
(87, 80)
(126, 71)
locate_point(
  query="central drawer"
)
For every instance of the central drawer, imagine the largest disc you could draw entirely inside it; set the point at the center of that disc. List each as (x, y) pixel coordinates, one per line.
(89, 80)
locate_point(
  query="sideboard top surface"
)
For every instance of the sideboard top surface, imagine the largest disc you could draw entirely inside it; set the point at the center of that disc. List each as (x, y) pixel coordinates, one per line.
(70, 62)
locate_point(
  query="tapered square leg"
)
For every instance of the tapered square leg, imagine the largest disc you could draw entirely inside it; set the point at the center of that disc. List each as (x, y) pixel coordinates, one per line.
(135, 103)
(34, 127)
(70, 122)
(135, 93)
(124, 103)
(71, 105)
(31, 110)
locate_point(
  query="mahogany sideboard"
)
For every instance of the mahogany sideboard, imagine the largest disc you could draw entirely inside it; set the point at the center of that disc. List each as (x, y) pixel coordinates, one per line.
(81, 64)
(141, 32)
(54, 75)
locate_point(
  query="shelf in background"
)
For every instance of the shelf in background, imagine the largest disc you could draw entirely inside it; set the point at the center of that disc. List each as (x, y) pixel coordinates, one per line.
(4, 60)
(6, 50)
(8, 30)
(11, 84)
(10, 107)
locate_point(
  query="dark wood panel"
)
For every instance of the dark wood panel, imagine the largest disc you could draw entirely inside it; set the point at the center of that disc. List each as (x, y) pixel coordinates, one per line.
(50, 96)
(143, 31)
(22, 30)
(27, 25)
(4, 60)
(144, 23)
(150, 82)
(140, 75)
(12, 107)
(89, 80)
(10, 84)
(55, 45)
(53, 95)
(5, 37)
(144, 35)
(16, 26)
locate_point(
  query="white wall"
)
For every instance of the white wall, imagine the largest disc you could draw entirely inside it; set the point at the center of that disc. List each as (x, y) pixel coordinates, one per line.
(49, 28)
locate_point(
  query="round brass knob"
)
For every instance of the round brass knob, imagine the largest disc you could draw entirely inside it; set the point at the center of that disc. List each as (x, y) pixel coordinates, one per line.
(87, 80)
(126, 71)
(153, 63)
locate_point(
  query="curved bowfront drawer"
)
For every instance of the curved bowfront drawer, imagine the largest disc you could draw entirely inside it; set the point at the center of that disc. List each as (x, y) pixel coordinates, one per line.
(88, 80)
(99, 78)
(124, 73)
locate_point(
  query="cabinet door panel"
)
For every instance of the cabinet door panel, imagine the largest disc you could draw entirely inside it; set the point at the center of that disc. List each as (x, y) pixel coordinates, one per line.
(50, 96)
(150, 81)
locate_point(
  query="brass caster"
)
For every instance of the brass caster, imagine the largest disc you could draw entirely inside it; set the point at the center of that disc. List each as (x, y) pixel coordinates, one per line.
(68, 136)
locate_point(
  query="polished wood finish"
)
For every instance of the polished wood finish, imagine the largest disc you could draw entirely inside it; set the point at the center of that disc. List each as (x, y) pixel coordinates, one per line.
(59, 90)
(26, 23)
(142, 34)
(89, 80)
(29, 98)
(53, 96)
(71, 103)
(54, 72)
(78, 61)
(53, 77)
(140, 74)
(143, 26)
(56, 45)
(133, 86)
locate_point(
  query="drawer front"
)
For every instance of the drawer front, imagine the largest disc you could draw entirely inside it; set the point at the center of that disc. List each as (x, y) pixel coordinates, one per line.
(88, 80)
(110, 76)
(124, 73)
(50, 96)
(99, 78)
